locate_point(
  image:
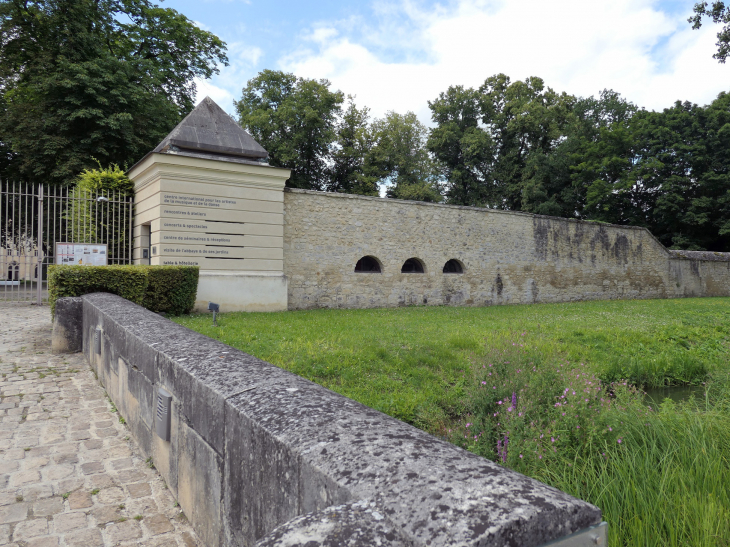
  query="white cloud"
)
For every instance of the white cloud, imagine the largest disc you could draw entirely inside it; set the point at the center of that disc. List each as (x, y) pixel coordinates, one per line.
(201, 26)
(232, 78)
(650, 56)
(218, 94)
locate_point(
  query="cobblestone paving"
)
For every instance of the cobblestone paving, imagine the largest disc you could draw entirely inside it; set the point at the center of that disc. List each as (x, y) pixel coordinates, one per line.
(69, 473)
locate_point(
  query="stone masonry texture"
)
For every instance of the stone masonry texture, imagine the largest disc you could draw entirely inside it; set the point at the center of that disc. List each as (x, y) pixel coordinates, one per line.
(508, 257)
(70, 475)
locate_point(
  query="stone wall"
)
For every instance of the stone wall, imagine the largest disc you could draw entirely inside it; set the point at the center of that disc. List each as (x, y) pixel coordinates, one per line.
(507, 257)
(258, 455)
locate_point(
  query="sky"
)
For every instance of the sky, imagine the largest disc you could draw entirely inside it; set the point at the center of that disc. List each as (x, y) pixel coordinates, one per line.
(399, 54)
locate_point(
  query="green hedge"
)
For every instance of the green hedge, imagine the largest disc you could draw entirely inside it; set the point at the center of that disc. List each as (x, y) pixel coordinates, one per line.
(168, 289)
(171, 289)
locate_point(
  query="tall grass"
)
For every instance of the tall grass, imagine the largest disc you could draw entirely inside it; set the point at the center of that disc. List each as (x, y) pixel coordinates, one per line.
(661, 475)
(667, 485)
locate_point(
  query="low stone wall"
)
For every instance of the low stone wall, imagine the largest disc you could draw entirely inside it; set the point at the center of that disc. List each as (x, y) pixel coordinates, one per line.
(508, 257)
(258, 455)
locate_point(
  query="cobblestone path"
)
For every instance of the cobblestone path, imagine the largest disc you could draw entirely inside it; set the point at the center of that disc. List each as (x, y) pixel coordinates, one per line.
(69, 473)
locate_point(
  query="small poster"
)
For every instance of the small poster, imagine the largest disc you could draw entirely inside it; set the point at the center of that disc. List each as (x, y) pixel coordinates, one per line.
(81, 254)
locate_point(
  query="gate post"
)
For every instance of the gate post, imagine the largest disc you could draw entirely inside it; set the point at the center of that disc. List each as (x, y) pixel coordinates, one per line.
(39, 251)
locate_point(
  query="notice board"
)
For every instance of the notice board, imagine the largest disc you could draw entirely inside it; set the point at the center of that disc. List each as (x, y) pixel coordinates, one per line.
(81, 254)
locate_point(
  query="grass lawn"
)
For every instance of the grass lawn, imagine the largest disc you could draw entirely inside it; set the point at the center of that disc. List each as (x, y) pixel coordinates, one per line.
(410, 362)
(480, 376)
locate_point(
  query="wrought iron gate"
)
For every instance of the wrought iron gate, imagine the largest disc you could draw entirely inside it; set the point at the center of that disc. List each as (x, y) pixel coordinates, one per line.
(34, 217)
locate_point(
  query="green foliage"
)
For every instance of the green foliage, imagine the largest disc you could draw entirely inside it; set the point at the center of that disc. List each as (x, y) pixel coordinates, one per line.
(82, 79)
(718, 12)
(302, 125)
(522, 146)
(495, 142)
(527, 120)
(171, 289)
(668, 171)
(105, 181)
(351, 172)
(548, 184)
(125, 281)
(463, 149)
(92, 221)
(294, 119)
(164, 289)
(400, 157)
(660, 475)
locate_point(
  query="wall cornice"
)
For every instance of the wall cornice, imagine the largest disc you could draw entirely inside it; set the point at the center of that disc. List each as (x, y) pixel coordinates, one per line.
(157, 166)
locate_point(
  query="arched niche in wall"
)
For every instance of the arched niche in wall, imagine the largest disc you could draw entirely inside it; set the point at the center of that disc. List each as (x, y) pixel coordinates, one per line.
(413, 265)
(368, 264)
(453, 266)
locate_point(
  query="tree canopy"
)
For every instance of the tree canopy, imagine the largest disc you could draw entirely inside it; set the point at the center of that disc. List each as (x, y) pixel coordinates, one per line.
(668, 171)
(718, 13)
(522, 146)
(295, 120)
(86, 81)
(303, 126)
(400, 156)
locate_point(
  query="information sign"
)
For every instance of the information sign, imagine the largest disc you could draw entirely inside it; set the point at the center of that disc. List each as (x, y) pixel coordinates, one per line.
(81, 254)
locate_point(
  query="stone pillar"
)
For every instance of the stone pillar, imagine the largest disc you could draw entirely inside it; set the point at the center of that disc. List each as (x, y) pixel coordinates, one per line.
(211, 202)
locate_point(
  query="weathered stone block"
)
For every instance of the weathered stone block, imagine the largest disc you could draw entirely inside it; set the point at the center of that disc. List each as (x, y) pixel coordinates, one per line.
(67, 325)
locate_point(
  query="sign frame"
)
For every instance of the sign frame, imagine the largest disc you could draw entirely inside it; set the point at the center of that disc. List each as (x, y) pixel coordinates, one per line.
(74, 254)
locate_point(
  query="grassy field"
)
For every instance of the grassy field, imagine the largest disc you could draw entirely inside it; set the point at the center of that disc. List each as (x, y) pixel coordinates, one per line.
(554, 382)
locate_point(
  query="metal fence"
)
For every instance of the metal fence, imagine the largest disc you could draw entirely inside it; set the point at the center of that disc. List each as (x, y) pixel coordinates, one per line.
(34, 218)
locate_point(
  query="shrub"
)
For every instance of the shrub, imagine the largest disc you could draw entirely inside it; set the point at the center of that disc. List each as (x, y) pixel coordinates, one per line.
(171, 289)
(105, 181)
(168, 289)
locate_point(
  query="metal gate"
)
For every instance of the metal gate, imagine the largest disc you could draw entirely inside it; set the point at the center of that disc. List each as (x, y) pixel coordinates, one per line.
(34, 217)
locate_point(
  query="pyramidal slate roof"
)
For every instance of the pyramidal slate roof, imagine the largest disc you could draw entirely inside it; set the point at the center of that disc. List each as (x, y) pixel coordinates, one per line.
(208, 129)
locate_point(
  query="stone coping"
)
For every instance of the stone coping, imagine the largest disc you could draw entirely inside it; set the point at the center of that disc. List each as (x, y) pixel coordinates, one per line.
(701, 255)
(289, 447)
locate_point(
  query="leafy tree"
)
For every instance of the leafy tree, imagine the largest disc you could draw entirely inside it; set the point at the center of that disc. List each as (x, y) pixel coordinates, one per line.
(295, 120)
(110, 181)
(718, 12)
(668, 171)
(687, 157)
(464, 149)
(350, 172)
(527, 121)
(605, 175)
(402, 160)
(88, 80)
(549, 185)
(493, 143)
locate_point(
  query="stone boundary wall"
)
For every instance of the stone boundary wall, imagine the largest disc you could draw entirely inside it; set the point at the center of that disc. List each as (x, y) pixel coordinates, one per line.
(508, 257)
(261, 456)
